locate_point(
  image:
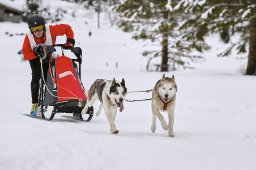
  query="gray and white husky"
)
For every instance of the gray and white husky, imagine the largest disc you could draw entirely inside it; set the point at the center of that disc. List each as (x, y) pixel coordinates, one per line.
(164, 99)
(111, 94)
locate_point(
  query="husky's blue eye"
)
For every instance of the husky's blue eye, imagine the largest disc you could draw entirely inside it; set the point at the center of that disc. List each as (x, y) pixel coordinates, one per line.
(170, 89)
(116, 92)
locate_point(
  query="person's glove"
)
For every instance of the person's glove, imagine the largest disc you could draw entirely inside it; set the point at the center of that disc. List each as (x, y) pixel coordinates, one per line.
(69, 44)
(40, 51)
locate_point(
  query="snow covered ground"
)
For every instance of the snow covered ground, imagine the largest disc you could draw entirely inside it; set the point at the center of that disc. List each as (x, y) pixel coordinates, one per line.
(214, 117)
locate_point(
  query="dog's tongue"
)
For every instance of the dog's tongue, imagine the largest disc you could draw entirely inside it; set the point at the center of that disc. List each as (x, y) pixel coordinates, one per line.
(121, 107)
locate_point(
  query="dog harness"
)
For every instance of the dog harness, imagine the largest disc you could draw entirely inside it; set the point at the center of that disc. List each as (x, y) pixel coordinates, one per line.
(164, 103)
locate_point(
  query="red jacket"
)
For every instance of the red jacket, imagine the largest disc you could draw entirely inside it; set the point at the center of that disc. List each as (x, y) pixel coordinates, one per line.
(55, 30)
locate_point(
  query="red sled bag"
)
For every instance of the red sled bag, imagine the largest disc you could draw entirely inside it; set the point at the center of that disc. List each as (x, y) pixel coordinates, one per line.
(68, 83)
(65, 90)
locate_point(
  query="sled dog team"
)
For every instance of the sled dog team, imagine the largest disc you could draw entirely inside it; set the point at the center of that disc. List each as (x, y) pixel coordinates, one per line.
(111, 95)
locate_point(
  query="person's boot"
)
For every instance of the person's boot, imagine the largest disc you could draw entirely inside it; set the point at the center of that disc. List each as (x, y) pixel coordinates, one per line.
(34, 109)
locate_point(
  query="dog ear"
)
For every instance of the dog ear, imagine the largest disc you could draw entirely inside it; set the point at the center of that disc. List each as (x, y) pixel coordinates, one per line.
(123, 83)
(173, 78)
(113, 82)
(163, 76)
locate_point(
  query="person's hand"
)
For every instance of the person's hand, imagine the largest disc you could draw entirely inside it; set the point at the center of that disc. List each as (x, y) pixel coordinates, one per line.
(40, 51)
(69, 44)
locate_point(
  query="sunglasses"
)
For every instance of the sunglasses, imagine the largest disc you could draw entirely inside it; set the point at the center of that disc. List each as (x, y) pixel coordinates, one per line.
(37, 28)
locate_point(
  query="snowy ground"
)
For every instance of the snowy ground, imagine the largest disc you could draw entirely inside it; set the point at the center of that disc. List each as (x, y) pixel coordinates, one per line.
(214, 118)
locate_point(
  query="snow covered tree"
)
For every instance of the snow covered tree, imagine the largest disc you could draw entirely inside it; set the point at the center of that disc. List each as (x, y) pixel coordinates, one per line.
(152, 20)
(38, 7)
(228, 19)
(32, 7)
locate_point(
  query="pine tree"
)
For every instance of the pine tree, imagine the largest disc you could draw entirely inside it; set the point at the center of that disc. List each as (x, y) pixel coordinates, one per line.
(32, 7)
(37, 7)
(227, 18)
(151, 20)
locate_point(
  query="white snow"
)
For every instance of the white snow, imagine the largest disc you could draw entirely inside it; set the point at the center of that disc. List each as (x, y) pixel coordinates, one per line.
(214, 117)
(207, 13)
(246, 13)
(15, 4)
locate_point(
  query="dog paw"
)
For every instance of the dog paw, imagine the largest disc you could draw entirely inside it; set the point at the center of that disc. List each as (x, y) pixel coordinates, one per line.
(153, 128)
(115, 132)
(171, 134)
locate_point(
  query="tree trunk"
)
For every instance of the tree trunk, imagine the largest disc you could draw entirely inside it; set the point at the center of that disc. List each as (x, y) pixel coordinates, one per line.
(110, 18)
(32, 6)
(164, 64)
(251, 64)
(98, 19)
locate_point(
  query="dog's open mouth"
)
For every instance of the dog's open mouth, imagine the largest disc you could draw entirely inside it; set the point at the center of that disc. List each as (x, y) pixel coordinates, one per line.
(166, 100)
(120, 105)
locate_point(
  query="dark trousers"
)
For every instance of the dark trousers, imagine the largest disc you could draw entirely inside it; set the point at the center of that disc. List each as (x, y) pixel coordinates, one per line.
(36, 75)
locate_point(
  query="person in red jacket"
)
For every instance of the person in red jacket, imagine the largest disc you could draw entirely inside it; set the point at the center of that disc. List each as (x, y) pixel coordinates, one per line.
(39, 36)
